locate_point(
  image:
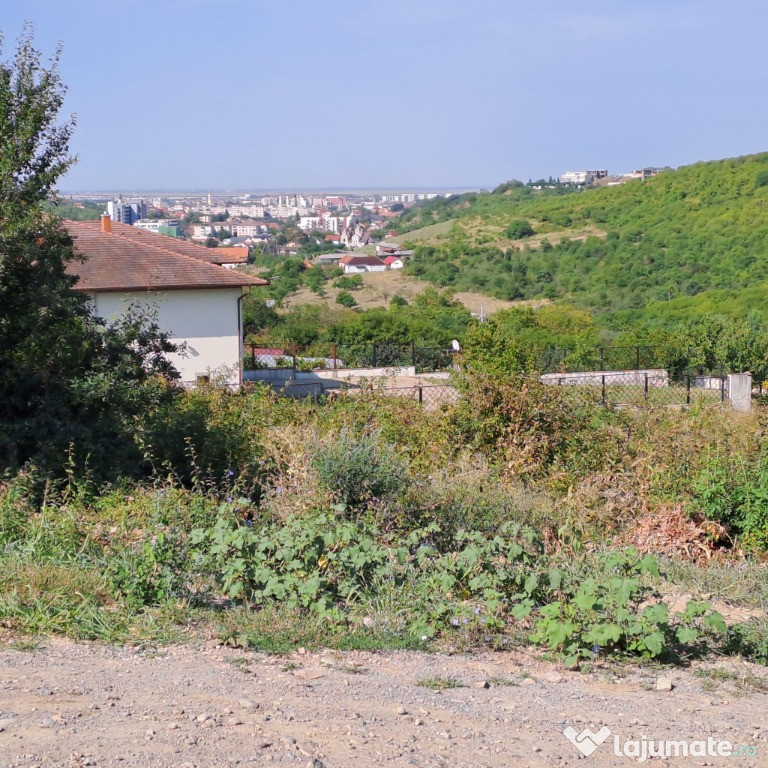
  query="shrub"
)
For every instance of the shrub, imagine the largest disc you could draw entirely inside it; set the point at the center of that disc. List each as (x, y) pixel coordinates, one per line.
(522, 423)
(151, 572)
(360, 469)
(349, 282)
(519, 229)
(735, 492)
(311, 562)
(15, 510)
(346, 299)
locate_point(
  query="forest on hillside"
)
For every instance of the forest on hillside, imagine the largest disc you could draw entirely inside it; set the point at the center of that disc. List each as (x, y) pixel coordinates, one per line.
(681, 245)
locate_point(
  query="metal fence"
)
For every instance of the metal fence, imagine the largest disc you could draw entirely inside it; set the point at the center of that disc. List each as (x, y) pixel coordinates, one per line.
(616, 389)
(618, 358)
(380, 354)
(641, 388)
(431, 396)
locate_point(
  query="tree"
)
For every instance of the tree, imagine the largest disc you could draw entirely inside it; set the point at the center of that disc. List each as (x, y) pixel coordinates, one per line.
(346, 299)
(519, 229)
(33, 146)
(68, 382)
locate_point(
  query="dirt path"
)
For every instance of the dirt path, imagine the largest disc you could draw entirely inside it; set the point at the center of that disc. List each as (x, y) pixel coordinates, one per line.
(86, 705)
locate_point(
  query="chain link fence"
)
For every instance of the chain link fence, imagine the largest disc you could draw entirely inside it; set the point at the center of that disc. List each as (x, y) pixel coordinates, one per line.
(641, 388)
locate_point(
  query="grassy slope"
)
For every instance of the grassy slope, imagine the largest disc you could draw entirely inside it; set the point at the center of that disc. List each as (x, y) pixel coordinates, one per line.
(688, 242)
(379, 288)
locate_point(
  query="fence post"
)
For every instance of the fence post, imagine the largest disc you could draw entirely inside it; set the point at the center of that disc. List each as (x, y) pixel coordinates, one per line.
(421, 394)
(413, 354)
(602, 358)
(645, 385)
(637, 360)
(335, 354)
(373, 358)
(603, 388)
(688, 389)
(739, 391)
(253, 356)
(293, 359)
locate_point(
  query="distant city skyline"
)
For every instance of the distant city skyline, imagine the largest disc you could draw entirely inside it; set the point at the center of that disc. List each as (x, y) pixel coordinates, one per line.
(248, 94)
(134, 192)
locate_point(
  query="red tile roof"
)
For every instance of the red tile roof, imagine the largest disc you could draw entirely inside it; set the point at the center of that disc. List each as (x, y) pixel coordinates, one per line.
(131, 259)
(391, 259)
(234, 254)
(362, 261)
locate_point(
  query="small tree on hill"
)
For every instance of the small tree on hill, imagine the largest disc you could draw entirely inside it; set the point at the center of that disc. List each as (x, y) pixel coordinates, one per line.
(519, 229)
(346, 299)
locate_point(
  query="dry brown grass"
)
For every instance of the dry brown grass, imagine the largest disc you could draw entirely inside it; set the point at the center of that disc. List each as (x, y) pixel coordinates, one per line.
(670, 532)
(379, 288)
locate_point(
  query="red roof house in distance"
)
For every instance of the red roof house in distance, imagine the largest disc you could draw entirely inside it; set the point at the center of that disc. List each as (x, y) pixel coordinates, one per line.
(394, 262)
(192, 295)
(355, 264)
(230, 256)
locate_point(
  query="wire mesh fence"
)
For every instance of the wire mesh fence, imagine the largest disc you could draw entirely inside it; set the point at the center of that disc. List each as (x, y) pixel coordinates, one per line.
(431, 396)
(641, 388)
(613, 358)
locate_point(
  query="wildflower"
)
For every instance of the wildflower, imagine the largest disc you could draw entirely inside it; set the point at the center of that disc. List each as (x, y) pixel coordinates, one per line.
(230, 473)
(477, 610)
(230, 499)
(455, 621)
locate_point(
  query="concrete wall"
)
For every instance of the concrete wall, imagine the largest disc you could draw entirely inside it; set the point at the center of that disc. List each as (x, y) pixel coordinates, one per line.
(206, 321)
(276, 375)
(657, 377)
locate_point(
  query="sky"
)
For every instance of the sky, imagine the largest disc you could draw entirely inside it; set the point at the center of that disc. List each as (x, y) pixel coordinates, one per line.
(293, 94)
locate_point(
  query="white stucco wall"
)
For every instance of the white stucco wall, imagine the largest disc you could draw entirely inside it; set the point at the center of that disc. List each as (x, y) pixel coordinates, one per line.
(206, 321)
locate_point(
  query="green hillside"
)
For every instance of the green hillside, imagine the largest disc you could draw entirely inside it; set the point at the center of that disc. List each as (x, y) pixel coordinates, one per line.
(686, 243)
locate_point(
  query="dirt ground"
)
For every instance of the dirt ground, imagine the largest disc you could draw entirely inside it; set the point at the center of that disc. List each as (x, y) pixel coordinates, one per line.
(66, 705)
(379, 288)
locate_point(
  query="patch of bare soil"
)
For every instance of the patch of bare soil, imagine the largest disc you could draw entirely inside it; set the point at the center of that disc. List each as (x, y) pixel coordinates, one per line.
(69, 704)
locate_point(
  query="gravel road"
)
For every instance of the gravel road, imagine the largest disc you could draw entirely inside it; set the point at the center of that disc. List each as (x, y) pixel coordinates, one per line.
(69, 705)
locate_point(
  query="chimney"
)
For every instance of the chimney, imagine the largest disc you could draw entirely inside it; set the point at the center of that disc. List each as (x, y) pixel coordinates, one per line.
(106, 223)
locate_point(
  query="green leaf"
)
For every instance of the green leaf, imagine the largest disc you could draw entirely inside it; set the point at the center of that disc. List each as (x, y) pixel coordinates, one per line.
(687, 635)
(522, 610)
(658, 613)
(605, 634)
(716, 621)
(655, 642)
(585, 601)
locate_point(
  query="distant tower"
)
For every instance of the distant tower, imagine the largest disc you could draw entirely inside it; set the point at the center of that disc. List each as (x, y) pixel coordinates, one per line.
(209, 198)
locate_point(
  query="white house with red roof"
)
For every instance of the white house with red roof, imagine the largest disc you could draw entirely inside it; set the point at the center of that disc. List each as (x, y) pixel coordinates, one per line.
(186, 286)
(356, 264)
(394, 262)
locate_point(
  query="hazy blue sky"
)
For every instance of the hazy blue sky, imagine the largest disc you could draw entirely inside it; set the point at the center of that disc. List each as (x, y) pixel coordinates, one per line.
(292, 93)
